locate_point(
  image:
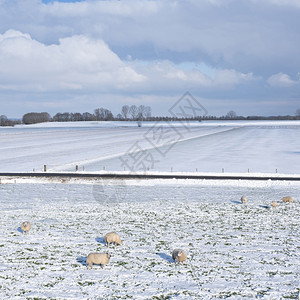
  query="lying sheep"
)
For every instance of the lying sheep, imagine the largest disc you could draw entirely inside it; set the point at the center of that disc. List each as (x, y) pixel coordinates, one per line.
(112, 237)
(244, 199)
(98, 259)
(25, 227)
(179, 255)
(274, 204)
(287, 199)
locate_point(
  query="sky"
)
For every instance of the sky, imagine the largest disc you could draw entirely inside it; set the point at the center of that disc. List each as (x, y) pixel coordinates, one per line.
(76, 56)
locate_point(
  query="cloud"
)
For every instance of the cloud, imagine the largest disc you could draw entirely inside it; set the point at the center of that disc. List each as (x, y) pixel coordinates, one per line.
(76, 63)
(167, 76)
(79, 52)
(82, 63)
(250, 36)
(282, 80)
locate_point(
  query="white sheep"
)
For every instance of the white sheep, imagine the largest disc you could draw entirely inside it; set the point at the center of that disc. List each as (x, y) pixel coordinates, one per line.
(179, 255)
(287, 199)
(98, 259)
(112, 237)
(274, 204)
(244, 199)
(25, 227)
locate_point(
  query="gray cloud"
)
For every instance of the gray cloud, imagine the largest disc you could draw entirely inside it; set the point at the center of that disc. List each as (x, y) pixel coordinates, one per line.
(139, 49)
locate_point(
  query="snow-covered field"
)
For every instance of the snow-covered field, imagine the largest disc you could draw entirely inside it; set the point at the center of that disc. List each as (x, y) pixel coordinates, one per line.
(234, 251)
(202, 146)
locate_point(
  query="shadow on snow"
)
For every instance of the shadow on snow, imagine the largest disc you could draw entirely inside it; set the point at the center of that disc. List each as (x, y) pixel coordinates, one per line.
(165, 256)
(82, 260)
(100, 240)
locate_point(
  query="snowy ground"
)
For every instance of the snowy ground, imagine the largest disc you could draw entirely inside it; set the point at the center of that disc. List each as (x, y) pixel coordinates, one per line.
(234, 251)
(200, 146)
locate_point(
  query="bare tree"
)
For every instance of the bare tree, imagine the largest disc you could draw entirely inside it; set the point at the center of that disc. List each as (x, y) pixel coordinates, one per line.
(108, 116)
(77, 117)
(119, 117)
(62, 117)
(103, 114)
(141, 112)
(57, 117)
(97, 114)
(231, 115)
(133, 111)
(87, 116)
(3, 120)
(148, 112)
(33, 117)
(65, 117)
(125, 111)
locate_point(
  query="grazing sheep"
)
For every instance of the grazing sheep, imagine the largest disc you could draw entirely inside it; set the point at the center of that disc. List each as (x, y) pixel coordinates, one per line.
(274, 204)
(25, 227)
(112, 237)
(287, 199)
(179, 255)
(244, 199)
(98, 259)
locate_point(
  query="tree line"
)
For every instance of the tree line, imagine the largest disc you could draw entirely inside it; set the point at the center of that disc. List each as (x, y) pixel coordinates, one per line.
(4, 121)
(133, 113)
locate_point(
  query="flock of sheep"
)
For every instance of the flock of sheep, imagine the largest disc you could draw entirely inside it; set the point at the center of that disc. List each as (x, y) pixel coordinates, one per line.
(287, 199)
(113, 238)
(110, 238)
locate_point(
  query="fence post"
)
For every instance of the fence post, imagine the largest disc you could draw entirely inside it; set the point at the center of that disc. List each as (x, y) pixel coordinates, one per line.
(45, 168)
(76, 168)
